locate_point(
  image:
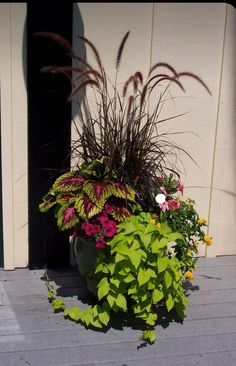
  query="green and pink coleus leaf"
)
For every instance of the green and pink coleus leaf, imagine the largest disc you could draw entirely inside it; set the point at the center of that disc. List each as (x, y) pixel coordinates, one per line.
(98, 192)
(46, 205)
(68, 182)
(86, 208)
(121, 213)
(122, 190)
(65, 198)
(67, 218)
(49, 200)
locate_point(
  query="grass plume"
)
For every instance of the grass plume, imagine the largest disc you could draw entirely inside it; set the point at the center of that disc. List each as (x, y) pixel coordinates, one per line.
(118, 126)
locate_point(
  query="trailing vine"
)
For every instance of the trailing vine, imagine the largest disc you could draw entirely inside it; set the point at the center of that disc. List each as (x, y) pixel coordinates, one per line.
(135, 273)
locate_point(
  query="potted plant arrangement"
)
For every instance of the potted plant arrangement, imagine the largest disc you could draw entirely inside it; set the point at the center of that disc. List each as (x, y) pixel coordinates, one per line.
(134, 236)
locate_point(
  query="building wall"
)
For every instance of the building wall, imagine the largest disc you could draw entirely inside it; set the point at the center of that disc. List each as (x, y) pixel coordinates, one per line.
(197, 37)
(13, 135)
(223, 201)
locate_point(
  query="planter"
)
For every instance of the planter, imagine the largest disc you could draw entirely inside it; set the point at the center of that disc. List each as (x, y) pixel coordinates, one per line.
(86, 253)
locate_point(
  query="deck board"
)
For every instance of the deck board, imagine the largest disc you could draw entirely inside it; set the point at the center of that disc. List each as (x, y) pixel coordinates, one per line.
(31, 334)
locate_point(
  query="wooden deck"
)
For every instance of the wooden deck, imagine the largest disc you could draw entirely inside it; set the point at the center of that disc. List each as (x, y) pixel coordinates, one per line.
(31, 334)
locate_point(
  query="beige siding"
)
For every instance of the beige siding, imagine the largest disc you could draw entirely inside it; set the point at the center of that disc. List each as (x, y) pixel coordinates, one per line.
(191, 37)
(14, 135)
(199, 37)
(223, 199)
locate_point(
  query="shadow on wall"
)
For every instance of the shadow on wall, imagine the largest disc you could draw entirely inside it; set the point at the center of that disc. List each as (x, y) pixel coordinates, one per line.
(49, 124)
(80, 50)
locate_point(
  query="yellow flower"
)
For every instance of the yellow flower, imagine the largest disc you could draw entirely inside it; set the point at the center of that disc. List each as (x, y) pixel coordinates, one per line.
(152, 221)
(189, 203)
(195, 244)
(189, 253)
(179, 199)
(189, 275)
(158, 225)
(208, 240)
(202, 221)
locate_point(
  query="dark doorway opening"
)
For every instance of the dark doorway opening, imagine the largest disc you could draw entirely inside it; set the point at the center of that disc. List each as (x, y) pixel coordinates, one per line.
(49, 128)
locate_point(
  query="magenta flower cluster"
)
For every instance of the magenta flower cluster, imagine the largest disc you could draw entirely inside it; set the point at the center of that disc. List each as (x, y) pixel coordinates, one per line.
(100, 227)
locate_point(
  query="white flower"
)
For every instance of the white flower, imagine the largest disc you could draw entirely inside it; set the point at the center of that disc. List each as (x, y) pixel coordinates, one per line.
(160, 198)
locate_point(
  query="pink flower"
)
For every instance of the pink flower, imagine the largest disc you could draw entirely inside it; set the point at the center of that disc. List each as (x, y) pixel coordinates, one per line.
(163, 190)
(100, 243)
(104, 220)
(83, 225)
(88, 228)
(180, 187)
(68, 214)
(108, 209)
(110, 228)
(96, 228)
(164, 206)
(174, 205)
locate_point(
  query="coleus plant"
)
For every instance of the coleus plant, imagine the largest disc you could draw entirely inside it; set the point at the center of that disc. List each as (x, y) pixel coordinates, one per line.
(80, 195)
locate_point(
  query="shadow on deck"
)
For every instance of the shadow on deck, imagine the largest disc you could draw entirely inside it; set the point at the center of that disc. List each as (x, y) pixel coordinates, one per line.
(31, 334)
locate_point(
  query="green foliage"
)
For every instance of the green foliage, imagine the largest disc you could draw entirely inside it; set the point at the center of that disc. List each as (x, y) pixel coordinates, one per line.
(81, 194)
(148, 335)
(185, 220)
(58, 304)
(136, 274)
(141, 273)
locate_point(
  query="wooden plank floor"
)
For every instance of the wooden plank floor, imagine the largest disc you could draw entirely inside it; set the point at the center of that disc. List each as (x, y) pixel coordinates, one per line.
(31, 334)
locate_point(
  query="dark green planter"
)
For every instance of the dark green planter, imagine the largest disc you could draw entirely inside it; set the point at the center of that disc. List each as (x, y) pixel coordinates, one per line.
(86, 253)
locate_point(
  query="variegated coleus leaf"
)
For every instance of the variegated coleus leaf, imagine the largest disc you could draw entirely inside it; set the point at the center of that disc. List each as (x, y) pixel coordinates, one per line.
(122, 190)
(98, 192)
(121, 213)
(79, 206)
(68, 182)
(67, 218)
(65, 198)
(49, 200)
(86, 208)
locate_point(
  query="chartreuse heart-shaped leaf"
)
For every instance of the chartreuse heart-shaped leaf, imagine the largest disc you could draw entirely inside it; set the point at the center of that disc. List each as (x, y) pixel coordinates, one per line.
(121, 302)
(162, 263)
(169, 302)
(157, 295)
(148, 335)
(103, 288)
(74, 313)
(167, 279)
